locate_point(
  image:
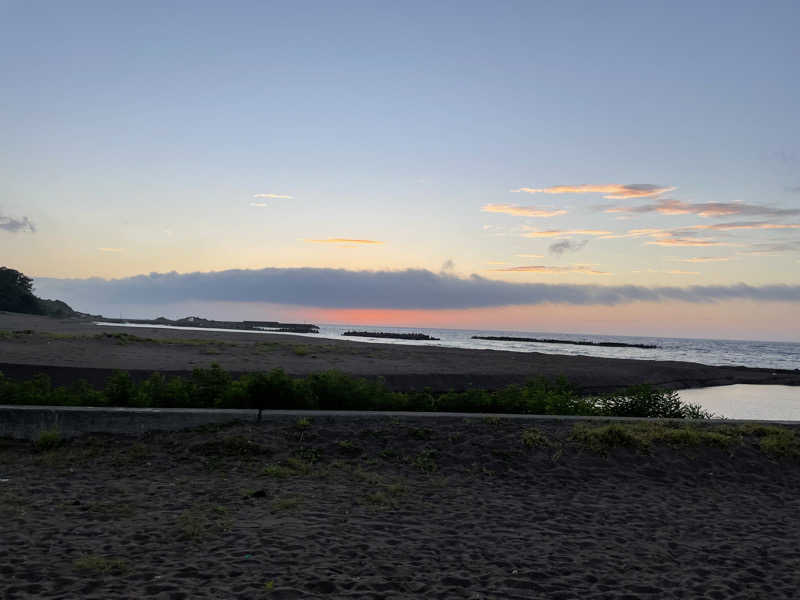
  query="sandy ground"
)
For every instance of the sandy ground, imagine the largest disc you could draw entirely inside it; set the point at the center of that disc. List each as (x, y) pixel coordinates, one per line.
(393, 508)
(69, 349)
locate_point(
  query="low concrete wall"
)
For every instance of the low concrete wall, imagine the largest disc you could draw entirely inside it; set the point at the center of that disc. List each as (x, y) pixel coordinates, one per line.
(27, 422)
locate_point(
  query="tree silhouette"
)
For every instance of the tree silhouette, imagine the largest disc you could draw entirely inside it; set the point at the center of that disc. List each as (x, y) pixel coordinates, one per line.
(16, 292)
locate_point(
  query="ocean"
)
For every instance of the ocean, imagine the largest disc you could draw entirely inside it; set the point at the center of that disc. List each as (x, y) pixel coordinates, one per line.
(771, 355)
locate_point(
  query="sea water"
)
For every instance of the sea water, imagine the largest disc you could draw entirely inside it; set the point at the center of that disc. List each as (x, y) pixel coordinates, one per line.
(746, 401)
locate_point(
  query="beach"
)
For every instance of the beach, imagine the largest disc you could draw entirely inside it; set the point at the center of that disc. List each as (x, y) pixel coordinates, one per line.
(395, 508)
(72, 349)
(384, 505)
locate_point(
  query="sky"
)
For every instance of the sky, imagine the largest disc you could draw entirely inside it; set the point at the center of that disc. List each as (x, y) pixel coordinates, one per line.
(590, 167)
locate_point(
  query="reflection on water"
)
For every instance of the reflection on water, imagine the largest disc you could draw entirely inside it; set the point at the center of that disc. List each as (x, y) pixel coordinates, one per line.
(745, 401)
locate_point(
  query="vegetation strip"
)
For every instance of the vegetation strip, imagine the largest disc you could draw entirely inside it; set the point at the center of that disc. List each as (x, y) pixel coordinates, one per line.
(333, 390)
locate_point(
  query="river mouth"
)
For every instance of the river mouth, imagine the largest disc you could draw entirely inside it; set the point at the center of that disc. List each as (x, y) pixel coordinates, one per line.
(748, 401)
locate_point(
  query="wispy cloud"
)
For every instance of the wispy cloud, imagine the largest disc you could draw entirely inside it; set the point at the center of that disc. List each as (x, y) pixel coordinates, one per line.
(772, 248)
(16, 225)
(259, 204)
(668, 206)
(523, 211)
(407, 289)
(530, 255)
(674, 272)
(702, 259)
(634, 233)
(745, 225)
(274, 196)
(612, 191)
(111, 249)
(496, 262)
(688, 235)
(562, 246)
(564, 233)
(683, 241)
(793, 190)
(586, 270)
(342, 241)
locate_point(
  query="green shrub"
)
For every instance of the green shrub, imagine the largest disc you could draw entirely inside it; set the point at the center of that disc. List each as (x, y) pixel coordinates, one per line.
(210, 386)
(49, 439)
(333, 390)
(642, 401)
(120, 389)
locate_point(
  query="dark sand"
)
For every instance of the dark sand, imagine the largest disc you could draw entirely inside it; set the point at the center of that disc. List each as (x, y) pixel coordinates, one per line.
(392, 508)
(66, 350)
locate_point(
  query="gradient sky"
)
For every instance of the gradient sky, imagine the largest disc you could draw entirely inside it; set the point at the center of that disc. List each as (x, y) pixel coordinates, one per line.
(574, 143)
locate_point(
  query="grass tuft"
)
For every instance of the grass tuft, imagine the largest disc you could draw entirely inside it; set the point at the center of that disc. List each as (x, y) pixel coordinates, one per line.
(49, 439)
(642, 435)
(283, 504)
(534, 438)
(100, 564)
(782, 443)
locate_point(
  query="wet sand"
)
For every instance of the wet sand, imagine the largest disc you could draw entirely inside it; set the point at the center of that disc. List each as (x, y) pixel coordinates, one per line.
(68, 350)
(393, 508)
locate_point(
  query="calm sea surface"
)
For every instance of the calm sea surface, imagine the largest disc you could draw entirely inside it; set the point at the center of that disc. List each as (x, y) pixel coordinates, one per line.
(770, 402)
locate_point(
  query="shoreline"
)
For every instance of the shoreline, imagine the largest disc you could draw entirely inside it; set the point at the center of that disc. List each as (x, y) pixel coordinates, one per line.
(68, 350)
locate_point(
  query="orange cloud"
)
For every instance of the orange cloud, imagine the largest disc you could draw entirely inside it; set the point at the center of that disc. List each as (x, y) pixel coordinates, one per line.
(523, 211)
(613, 191)
(274, 196)
(632, 233)
(685, 242)
(550, 270)
(564, 233)
(703, 259)
(342, 241)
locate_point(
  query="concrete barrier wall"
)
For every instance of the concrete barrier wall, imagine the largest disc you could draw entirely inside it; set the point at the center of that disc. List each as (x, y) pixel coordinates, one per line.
(27, 422)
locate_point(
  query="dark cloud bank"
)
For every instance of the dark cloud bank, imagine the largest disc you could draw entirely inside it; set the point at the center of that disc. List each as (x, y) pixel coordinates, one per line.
(409, 289)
